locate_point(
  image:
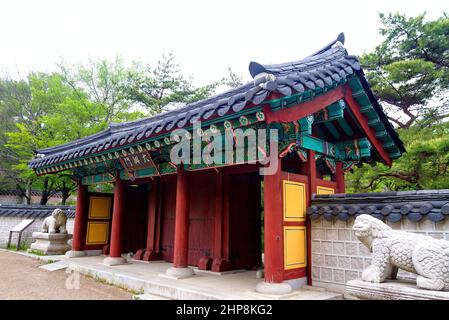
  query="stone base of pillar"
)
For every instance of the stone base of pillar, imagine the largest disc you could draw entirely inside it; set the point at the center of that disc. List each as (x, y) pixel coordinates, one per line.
(273, 288)
(75, 254)
(179, 273)
(114, 261)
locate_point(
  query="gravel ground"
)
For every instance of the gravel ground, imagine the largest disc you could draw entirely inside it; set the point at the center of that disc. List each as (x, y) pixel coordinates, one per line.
(20, 278)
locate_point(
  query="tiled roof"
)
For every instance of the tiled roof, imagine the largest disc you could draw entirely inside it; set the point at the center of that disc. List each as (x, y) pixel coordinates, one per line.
(390, 206)
(33, 193)
(324, 68)
(33, 211)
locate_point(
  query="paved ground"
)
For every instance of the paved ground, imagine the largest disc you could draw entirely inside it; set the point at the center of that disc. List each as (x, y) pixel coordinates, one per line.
(152, 279)
(20, 278)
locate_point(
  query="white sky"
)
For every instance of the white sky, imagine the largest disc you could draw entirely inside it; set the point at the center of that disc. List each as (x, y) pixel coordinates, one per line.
(205, 36)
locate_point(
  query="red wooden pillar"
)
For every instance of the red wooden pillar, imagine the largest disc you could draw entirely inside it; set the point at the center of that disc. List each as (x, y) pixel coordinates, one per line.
(115, 252)
(218, 218)
(221, 261)
(312, 175)
(340, 177)
(206, 262)
(152, 249)
(273, 236)
(226, 216)
(80, 222)
(181, 243)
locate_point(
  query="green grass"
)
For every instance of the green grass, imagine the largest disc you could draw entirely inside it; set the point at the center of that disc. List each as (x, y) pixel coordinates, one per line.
(36, 252)
(106, 282)
(23, 247)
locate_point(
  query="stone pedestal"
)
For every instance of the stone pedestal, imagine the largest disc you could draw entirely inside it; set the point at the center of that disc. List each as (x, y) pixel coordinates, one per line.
(114, 261)
(392, 290)
(74, 254)
(273, 288)
(179, 273)
(51, 243)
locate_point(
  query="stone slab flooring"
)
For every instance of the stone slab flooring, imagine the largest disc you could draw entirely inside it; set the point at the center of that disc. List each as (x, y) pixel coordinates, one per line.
(21, 278)
(150, 279)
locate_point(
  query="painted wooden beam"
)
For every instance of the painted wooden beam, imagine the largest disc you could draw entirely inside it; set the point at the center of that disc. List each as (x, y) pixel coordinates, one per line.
(333, 112)
(317, 145)
(345, 127)
(332, 129)
(97, 178)
(303, 109)
(363, 122)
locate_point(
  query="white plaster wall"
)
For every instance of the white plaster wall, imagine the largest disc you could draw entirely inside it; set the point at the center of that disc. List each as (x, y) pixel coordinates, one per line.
(7, 223)
(338, 256)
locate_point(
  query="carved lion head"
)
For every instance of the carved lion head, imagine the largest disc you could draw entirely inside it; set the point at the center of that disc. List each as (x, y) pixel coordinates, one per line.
(368, 226)
(59, 215)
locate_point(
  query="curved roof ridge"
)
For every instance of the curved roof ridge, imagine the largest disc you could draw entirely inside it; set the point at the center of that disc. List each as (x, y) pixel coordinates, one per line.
(255, 68)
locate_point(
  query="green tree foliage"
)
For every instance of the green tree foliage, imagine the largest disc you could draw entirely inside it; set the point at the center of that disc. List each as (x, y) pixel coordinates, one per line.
(45, 110)
(43, 122)
(425, 165)
(409, 70)
(103, 83)
(232, 80)
(409, 73)
(163, 87)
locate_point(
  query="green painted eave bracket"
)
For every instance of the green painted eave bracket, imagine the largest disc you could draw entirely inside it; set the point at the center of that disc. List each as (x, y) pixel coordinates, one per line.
(342, 151)
(374, 121)
(332, 112)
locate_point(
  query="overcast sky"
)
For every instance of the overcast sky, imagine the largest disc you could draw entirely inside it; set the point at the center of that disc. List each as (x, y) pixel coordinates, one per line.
(205, 36)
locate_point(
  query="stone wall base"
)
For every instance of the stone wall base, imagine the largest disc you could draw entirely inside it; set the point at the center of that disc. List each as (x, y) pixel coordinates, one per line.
(392, 290)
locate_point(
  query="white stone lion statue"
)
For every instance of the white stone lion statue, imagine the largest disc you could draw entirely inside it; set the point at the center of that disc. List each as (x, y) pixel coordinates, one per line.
(392, 249)
(56, 223)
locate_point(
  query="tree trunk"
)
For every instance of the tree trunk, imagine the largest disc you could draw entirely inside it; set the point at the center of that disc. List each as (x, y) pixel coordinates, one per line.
(65, 195)
(28, 192)
(45, 192)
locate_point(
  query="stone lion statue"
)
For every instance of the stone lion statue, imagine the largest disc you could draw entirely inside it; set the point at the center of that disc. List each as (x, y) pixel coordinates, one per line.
(56, 223)
(392, 249)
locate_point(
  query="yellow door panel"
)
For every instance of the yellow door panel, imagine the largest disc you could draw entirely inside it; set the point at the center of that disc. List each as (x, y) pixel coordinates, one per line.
(100, 207)
(295, 247)
(97, 232)
(324, 190)
(294, 201)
